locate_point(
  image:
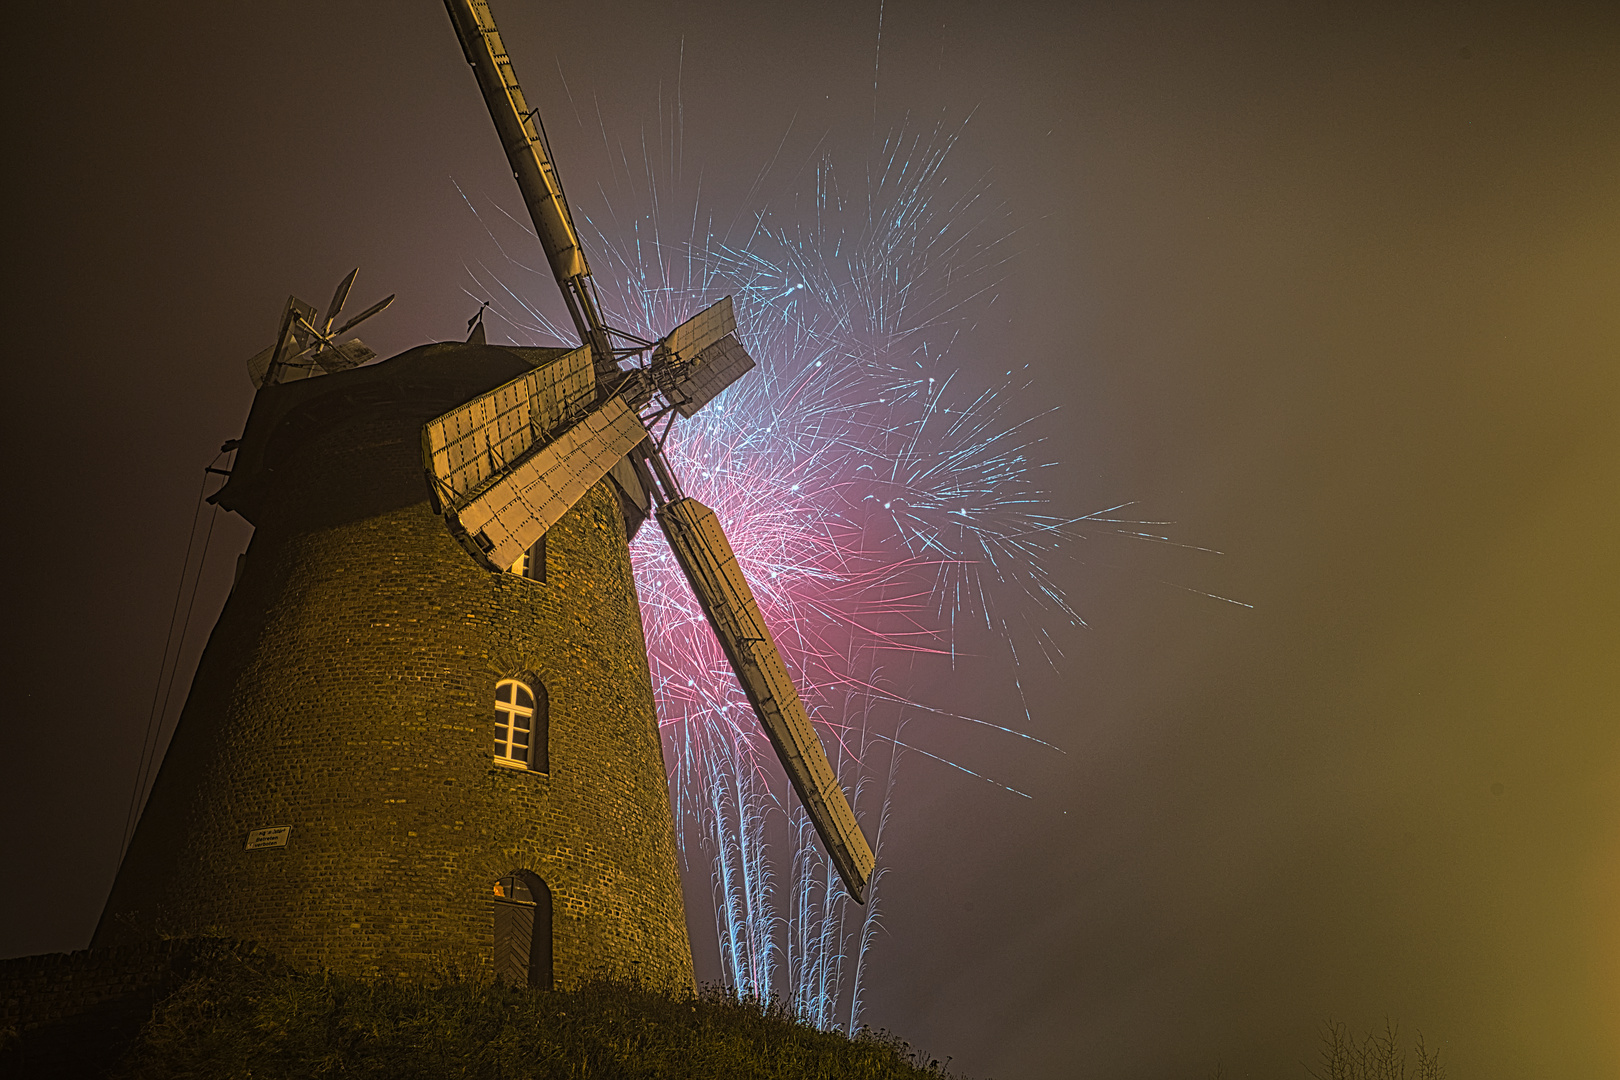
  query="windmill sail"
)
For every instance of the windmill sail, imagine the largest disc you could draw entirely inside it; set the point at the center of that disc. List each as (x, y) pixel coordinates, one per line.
(351, 353)
(272, 365)
(339, 297)
(700, 358)
(364, 315)
(498, 503)
(525, 500)
(525, 143)
(468, 445)
(304, 345)
(686, 341)
(509, 464)
(711, 567)
(716, 368)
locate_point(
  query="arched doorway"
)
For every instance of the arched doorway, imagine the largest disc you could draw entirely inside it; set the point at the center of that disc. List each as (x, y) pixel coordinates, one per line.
(523, 931)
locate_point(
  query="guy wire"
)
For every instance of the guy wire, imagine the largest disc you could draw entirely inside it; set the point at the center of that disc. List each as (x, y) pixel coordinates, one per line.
(153, 726)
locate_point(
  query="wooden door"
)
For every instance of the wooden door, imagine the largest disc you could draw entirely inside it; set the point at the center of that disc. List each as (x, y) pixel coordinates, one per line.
(523, 931)
(514, 941)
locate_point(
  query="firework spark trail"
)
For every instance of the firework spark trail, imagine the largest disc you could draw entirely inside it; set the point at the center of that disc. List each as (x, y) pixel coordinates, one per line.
(873, 504)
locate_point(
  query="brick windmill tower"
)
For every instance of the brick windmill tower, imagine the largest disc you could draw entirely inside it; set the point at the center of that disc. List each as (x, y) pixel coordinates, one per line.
(422, 734)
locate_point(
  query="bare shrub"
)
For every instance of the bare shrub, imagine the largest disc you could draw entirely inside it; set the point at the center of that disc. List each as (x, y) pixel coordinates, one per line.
(1373, 1056)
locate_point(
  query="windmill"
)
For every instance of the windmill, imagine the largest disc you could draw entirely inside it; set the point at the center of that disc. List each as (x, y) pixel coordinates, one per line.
(509, 464)
(423, 729)
(302, 345)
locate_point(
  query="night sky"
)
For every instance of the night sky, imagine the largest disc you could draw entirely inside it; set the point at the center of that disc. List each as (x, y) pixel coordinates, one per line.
(1334, 291)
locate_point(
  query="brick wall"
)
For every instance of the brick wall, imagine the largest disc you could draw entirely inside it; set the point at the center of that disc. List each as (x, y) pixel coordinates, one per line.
(347, 691)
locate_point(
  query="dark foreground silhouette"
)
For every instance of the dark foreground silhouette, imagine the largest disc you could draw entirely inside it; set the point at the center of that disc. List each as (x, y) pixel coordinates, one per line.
(236, 1011)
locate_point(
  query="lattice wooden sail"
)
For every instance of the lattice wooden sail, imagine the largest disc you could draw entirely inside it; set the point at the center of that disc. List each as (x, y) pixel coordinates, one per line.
(510, 463)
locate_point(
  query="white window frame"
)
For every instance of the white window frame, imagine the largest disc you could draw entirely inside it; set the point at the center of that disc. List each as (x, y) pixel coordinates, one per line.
(507, 715)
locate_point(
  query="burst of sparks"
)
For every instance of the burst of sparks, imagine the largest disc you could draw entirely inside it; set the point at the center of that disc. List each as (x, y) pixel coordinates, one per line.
(873, 500)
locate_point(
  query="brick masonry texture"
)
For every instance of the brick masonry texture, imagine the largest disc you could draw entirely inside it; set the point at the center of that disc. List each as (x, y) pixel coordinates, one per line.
(347, 691)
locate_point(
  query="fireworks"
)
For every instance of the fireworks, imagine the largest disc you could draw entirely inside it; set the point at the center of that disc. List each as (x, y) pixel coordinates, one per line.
(874, 503)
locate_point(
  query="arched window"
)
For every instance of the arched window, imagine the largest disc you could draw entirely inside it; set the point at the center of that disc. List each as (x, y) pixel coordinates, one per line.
(521, 725)
(523, 931)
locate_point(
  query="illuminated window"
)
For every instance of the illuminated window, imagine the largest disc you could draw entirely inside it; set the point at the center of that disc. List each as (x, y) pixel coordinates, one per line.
(521, 725)
(532, 563)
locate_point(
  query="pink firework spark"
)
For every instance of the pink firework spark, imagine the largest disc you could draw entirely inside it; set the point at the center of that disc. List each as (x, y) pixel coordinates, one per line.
(873, 505)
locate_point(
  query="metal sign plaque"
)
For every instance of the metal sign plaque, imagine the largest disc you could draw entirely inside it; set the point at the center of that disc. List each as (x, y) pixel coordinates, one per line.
(262, 838)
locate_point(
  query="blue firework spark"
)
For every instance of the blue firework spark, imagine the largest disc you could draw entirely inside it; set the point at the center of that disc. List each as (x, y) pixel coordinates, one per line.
(876, 502)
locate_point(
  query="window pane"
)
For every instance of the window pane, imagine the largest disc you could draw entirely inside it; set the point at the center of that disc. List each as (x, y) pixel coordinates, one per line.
(520, 738)
(537, 559)
(513, 887)
(503, 692)
(524, 698)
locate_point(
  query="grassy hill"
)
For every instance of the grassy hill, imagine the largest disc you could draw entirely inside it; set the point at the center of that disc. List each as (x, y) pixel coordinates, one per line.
(242, 1014)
